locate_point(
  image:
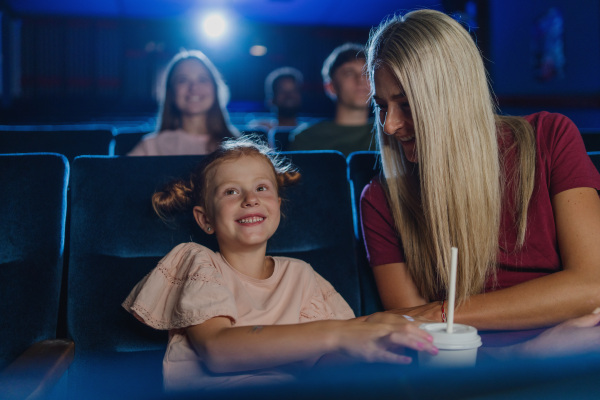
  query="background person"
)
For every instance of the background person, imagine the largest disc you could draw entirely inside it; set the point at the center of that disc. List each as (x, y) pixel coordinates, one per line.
(345, 83)
(193, 118)
(283, 94)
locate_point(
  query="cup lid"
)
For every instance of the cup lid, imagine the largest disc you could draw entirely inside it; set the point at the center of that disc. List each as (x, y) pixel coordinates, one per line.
(463, 336)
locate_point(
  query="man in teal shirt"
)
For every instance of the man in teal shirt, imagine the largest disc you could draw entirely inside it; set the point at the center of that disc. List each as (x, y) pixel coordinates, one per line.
(346, 84)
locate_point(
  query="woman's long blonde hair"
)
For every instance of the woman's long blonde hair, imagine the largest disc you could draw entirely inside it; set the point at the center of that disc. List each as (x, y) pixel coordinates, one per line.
(453, 196)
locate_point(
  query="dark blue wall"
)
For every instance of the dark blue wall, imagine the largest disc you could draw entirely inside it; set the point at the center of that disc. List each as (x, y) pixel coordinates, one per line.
(511, 50)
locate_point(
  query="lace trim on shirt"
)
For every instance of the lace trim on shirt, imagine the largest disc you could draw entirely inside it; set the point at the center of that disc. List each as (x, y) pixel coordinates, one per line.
(179, 323)
(207, 274)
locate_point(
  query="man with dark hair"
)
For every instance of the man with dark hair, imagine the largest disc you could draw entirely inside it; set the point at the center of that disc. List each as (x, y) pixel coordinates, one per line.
(346, 84)
(283, 96)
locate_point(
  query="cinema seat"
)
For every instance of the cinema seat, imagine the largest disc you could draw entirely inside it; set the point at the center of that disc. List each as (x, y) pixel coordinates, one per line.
(126, 139)
(362, 167)
(591, 139)
(68, 140)
(116, 239)
(317, 223)
(32, 234)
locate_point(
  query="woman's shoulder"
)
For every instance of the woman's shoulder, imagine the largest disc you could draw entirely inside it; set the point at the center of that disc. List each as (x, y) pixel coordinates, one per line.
(374, 191)
(548, 122)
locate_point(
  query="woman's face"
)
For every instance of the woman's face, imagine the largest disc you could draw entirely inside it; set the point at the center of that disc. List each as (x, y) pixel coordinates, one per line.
(194, 92)
(394, 111)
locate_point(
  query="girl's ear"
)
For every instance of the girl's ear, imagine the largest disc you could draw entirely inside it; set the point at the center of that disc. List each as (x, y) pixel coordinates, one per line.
(202, 220)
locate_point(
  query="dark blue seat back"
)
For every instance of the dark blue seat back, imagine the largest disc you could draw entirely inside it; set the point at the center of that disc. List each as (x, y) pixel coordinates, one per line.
(591, 139)
(280, 138)
(362, 167)
(32, 233)
(116, 239)
(71, 141)
(317, 222)
(595, 157)
(125, 141)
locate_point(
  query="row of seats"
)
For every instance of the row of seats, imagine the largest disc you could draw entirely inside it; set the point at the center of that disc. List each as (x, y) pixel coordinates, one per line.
(111, 238)
(76, 140)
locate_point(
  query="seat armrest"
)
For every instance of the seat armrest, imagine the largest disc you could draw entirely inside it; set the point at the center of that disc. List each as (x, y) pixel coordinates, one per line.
(35, 372)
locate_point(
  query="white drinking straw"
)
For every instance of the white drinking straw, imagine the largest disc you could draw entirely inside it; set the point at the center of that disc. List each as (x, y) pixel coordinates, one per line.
(452, 290)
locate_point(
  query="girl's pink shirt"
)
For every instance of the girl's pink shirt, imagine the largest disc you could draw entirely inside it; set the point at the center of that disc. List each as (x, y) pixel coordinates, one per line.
(192, 284)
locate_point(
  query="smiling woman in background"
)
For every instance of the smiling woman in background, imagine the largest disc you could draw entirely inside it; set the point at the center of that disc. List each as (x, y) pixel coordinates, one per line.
(517, 196)
(193, 118)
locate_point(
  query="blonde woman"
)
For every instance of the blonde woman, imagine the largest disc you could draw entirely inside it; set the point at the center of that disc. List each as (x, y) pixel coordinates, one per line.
(192, 117)
(517, 196)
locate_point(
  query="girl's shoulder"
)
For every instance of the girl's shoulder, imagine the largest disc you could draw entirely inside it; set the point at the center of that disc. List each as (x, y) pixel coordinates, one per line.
(178, 293)
(294, 264)
(188, 261)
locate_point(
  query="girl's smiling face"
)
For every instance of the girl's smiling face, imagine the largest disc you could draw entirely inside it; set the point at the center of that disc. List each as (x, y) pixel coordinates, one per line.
(244, 209)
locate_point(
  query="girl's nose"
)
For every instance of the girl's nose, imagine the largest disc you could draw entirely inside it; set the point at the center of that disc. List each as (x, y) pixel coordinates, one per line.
(250, 200)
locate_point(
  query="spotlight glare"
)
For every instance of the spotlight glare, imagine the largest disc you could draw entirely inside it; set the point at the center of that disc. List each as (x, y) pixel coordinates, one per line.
(258, 50)
(214, 25)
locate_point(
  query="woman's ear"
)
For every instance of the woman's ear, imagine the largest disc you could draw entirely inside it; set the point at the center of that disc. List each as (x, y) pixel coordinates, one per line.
(202, 220)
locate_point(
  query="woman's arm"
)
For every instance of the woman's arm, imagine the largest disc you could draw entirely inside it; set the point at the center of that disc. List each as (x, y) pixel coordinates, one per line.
(225, 348)
(554, 298)
(396, 287)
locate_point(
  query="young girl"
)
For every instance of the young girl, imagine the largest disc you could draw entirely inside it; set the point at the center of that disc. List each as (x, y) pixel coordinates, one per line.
(192, 118)
(239, 316)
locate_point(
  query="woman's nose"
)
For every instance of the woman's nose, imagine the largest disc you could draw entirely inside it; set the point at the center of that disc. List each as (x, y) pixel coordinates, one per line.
(394, 121)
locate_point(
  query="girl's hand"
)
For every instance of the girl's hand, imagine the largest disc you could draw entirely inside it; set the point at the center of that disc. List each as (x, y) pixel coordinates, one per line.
(430, 312)
(382, 337)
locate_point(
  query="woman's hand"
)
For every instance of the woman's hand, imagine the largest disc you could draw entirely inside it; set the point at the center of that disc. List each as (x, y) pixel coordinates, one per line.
(382, 337)
(574, 336)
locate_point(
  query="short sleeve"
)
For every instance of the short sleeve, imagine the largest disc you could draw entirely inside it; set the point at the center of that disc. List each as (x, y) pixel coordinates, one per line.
(184, 289)
(324, 303)
(381, 240)
(561, 145)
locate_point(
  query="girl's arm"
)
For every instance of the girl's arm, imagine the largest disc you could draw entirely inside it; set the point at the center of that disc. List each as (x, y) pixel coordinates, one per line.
(225, 348)
(554, 298)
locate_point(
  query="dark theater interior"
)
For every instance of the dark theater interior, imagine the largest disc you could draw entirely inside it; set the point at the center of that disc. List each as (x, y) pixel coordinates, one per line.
(82, 87)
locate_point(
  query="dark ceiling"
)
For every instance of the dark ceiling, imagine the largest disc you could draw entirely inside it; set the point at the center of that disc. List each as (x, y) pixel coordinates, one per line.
(299, 12)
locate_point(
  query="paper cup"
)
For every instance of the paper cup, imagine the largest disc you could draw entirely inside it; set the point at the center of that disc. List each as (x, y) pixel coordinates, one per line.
(457, 349)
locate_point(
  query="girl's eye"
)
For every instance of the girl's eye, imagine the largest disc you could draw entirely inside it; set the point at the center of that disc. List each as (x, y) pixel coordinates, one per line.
(230, 192)
(261, 188)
